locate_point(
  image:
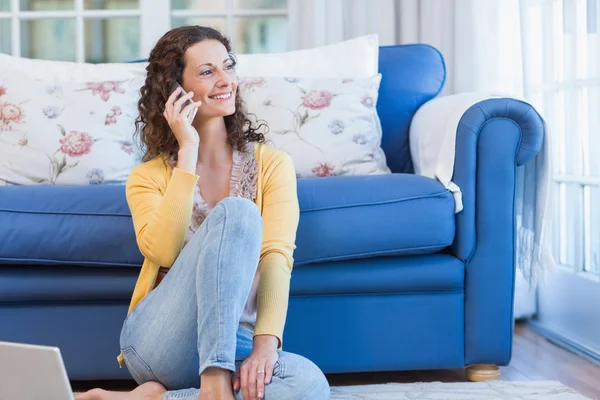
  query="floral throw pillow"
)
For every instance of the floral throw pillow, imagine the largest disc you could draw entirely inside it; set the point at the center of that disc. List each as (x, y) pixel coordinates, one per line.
(68, 133)
(328, 126)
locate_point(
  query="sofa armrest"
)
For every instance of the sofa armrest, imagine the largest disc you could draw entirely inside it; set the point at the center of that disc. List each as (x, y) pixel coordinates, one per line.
(483, 145)
(493, 137)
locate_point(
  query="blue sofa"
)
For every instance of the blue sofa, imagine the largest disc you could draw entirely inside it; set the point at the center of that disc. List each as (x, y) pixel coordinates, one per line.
(386, 276)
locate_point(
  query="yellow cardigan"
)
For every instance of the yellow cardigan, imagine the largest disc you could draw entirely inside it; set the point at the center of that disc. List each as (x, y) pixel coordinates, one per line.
(161, 208)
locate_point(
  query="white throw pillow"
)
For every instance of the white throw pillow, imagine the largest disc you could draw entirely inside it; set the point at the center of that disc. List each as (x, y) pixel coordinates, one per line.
(61, 71)
(358, 57)
(354, 58)
(70, 133)
(327, 126)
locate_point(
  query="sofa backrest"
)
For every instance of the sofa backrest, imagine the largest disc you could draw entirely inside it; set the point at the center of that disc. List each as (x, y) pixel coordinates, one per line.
(411, 75)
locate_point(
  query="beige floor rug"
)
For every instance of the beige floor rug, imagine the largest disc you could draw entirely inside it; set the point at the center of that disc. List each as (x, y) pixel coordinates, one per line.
(506, 390)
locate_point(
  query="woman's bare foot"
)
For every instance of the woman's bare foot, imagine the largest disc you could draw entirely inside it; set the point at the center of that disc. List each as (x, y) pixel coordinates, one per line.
(146, 391)
(215, 384)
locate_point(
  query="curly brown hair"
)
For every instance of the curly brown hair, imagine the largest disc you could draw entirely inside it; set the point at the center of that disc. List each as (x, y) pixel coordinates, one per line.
(165, 66)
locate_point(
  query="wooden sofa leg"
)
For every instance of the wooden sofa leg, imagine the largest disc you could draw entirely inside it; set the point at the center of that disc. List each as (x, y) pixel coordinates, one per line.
(483, 372)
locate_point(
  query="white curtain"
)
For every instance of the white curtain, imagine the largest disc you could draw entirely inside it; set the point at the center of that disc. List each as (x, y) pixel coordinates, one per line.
(480, 39)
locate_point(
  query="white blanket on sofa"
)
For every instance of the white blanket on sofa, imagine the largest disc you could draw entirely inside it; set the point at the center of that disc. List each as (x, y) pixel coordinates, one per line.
(432, 144)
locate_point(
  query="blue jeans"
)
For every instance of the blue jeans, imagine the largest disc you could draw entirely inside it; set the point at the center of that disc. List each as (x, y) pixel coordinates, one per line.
(191, 320)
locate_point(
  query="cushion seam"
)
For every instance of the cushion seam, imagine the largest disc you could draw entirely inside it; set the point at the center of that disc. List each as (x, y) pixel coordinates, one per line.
(124, 302)
(69, 262)
(292, 296)
(404, 293)
(121, 264)
(432, 195)
(64, 213)
(364, 255)
(436, 195)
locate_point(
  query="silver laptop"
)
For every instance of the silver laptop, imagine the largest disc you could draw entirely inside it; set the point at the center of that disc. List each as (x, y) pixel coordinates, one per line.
(30, 372)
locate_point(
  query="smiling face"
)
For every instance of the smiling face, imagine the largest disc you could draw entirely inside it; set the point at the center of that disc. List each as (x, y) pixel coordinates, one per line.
(210, 73)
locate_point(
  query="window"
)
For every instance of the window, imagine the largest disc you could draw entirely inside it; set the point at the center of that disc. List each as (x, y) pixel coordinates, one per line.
(68, 30)
(561, 52)
(255, 26)
(123, 30)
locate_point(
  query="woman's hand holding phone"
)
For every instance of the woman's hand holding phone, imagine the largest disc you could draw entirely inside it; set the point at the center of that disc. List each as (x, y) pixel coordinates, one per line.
(178, 118)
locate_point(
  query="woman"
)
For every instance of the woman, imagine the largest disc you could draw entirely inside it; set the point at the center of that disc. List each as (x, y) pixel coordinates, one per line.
(215, 209)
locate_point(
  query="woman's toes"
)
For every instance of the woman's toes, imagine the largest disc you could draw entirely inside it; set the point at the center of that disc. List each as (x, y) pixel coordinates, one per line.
(94, 394)
(146, 391)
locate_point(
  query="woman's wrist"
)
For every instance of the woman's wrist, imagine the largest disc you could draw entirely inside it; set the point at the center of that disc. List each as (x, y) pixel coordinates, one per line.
(187, 158)
(268, 341)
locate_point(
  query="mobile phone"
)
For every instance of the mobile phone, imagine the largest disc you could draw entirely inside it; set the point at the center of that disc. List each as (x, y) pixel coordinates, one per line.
(192, 114)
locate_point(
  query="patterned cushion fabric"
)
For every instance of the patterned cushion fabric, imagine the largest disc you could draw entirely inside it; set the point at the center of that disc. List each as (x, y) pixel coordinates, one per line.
(66, 132)
(328, 126)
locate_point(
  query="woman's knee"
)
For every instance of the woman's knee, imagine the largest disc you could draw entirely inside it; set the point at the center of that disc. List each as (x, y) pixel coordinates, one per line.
(238, 218)
(241, 213)
(306, 379)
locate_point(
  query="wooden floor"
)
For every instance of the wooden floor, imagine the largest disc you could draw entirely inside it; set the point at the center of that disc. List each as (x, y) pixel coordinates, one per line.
(534, 358)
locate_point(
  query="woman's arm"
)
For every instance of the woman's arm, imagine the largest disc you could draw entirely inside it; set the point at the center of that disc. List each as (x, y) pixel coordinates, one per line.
(161, 219)
(281, 213)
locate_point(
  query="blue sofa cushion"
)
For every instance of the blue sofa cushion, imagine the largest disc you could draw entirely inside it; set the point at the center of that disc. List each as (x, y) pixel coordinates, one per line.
(341, 218)
(81, 225)
(432, 273)
(65, 283)
(350, 217)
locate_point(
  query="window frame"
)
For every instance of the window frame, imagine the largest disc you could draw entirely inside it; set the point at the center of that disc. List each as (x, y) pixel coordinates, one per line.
(552, 93)
(155, 19)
